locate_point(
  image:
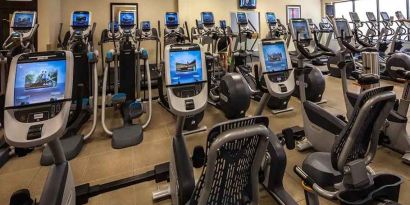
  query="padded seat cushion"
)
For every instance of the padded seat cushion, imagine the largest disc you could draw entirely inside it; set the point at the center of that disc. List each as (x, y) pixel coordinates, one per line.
(318, 165)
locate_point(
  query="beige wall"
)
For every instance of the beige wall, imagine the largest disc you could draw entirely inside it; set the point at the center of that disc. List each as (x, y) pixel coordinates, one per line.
(191, 9)
(49, 19)
(52, 12)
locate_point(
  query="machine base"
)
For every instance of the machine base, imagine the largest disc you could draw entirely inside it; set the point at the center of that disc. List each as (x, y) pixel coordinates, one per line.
(4, 155)
(289, 109)
(405, 159)
(127, 136)
(72, 147)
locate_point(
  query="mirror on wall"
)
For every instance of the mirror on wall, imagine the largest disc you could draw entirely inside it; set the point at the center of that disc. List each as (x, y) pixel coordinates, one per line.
(116, 8)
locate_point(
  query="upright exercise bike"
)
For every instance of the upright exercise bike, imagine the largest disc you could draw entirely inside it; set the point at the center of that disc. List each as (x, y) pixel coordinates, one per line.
(19, 41)
(33, 120)
(174, 33)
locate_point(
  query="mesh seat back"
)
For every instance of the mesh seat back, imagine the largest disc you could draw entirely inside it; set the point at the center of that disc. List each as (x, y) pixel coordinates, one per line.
(231, 181)
(359, 139)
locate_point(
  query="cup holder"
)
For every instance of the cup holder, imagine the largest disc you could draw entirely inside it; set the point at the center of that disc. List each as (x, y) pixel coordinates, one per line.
(385, 186)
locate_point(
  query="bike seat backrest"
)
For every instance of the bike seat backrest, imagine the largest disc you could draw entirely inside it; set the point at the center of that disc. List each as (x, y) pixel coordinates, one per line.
(234, 153)
(359, 139)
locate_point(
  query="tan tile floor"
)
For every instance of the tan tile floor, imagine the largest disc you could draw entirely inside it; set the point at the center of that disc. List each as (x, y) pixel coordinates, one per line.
(98, 162)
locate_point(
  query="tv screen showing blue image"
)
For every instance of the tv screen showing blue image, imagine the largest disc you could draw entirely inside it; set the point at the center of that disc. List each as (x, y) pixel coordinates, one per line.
(207, 18)
(185, 67)
(275, 57)
(146, 25)
(81, 19)
(127, 18)
(247, 4)
(271, 18)
(242, 18)
(171, 19)
(39, 82)
(23, 20)
(301, 28)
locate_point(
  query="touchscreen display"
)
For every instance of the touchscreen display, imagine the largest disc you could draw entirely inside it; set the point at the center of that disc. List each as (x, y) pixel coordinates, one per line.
(354, 16)
(399, 15)
(370, 16)
(330, 10)
(171, 19)
(81, 19)
(222, 24)
(301, 28)
(385, 16)
(146, 25)
(23, 20)
(275, 57)
(127, 18)
(185, 67)
(247, 4)
(207, 18)
(242, 18)
(271, 17)
(342, 27)
(113, 27)
(39, 82)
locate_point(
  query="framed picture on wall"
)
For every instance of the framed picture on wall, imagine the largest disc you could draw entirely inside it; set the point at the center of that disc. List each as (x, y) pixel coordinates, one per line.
(116, 8)
(293, 12)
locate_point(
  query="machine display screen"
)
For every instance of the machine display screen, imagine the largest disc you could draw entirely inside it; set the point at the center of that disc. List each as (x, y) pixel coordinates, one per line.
(23, 20)
(301, 28)
(330, 10)
(385, 16)
(39, 82)
(171, 19)
(146, 26)
(271, 18)
(399, 15)
(247, 4)
(342, 27)
(242, 18)
(81, 19)
(127, 18)
(354, 16)
(222, 24)
(275, 57)
(113, 27)
(207, 18)
(370, 16)
(185, 67)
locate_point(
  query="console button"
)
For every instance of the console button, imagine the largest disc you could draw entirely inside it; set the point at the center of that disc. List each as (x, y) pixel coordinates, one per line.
(189, 104)
(283, 88)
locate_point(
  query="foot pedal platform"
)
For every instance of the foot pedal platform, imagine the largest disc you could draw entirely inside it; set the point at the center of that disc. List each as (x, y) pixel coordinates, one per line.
(127, 136)
(72, 147)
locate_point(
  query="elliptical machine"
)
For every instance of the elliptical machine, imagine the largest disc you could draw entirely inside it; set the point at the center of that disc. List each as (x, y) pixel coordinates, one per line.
(33, 120)
(173, 33)
(314, 79)
(22, 30)
(85, 91)
(126, 62)
(227, 91)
